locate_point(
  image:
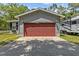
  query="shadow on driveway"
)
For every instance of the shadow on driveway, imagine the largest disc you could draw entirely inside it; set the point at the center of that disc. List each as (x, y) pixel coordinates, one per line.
(40, 48)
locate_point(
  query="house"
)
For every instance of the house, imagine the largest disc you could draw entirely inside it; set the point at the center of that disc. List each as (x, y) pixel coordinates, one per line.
(37, 22)
(71, 25)
(13, 26)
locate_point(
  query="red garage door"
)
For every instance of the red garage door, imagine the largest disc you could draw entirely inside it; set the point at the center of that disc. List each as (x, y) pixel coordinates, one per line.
(39, 29)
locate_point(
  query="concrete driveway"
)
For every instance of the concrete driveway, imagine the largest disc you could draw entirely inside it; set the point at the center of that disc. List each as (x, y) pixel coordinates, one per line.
(40, 47)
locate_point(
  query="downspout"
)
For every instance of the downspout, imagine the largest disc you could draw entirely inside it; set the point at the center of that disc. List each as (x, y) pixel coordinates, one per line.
(70, 23)
(18, 26)
(60, 22)
(60, 26)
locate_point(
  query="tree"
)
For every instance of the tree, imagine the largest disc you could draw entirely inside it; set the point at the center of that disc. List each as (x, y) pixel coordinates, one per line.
(75, 8)
(52, 7)
(75, 5)
(61, 9)
(10, 11)
(14, 9)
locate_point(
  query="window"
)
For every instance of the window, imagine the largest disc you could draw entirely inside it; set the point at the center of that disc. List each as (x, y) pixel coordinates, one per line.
(13, 26)
(10, 26)
(17, 26)
(73, 22)
(62, 24)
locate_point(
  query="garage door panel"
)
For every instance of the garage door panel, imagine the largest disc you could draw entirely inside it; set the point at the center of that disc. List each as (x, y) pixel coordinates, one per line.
(39, 29)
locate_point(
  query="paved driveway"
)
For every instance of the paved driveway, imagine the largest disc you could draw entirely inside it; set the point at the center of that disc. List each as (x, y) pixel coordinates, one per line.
(37, 47)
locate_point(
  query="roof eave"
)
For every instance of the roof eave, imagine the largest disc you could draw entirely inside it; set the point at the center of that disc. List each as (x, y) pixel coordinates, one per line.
(39, 9)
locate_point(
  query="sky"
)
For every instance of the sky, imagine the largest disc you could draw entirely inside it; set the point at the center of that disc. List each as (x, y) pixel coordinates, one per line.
(42, 5)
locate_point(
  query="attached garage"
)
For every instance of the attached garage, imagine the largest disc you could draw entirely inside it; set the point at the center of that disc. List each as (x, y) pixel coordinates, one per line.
(39, 22)
(39, 29)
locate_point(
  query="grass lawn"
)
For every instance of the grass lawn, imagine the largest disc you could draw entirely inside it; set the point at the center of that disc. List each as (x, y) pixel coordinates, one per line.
(6, 38)
(71, 38)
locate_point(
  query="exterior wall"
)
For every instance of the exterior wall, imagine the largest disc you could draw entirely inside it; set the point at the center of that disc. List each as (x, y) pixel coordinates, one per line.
(35, 16)
(13, 28)
(74, 27)
(57, 29)
(21, 28)
(78, 24)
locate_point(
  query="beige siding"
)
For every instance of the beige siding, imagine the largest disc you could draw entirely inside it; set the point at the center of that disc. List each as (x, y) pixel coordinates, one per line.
(38, 15)
(21, 28)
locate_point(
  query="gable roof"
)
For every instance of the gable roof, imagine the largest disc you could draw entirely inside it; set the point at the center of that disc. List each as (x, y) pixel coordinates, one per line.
(39, 10)
(42, 20)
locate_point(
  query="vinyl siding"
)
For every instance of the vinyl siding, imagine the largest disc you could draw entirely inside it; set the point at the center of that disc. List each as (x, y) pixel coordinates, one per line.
(35, 16)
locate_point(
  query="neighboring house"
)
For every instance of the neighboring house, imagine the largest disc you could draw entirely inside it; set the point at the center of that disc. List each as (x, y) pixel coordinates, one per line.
(71, 25)
(13, 26)
(37, 22)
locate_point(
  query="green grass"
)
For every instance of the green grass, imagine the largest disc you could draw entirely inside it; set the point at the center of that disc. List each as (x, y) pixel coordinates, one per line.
(6, 38)
(71, 38)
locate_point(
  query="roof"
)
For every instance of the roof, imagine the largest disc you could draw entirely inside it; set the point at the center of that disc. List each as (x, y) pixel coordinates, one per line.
(39, 10)
(42, 20)
(75, 18)
(12, 20)
(72, 19)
